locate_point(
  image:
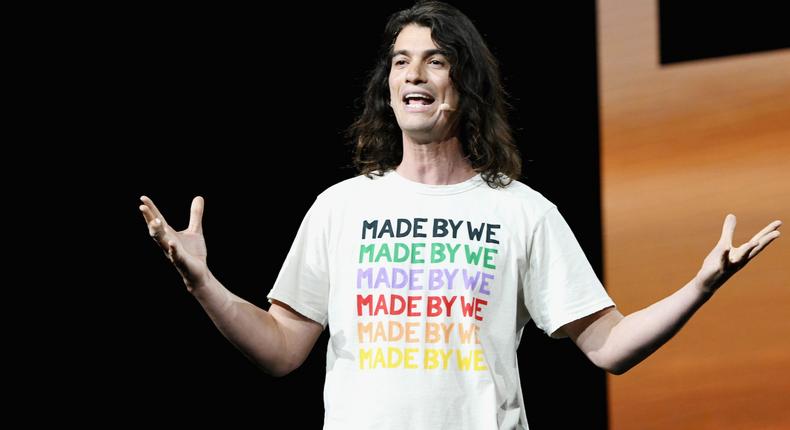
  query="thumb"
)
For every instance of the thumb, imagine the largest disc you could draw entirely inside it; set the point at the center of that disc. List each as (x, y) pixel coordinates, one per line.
(727, 230)
(196, 215)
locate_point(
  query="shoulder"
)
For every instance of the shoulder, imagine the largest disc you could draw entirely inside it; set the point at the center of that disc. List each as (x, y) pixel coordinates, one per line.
(349, 187)
(339, 195)
(524, 197)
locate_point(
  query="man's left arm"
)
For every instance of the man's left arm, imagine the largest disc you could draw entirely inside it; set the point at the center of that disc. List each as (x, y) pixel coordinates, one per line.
(617, 343)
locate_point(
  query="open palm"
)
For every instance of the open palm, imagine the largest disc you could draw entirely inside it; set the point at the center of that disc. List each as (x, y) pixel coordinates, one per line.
(725, 260)
(186, 249)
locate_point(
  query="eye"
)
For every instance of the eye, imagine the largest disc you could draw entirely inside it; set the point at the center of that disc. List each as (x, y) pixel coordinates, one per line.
(437, 62)
(399, 62)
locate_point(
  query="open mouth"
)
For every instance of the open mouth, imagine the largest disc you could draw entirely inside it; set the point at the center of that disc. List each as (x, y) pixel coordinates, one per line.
(417, 99)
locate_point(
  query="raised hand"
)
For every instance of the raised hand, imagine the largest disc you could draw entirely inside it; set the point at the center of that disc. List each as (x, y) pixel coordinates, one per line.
(725, 260)
(186, 249)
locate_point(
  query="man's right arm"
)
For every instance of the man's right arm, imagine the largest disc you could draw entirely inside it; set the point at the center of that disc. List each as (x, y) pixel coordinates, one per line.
(278, 340)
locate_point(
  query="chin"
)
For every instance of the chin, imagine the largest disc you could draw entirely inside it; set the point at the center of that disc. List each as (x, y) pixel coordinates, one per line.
(416, 130)
(415, 125)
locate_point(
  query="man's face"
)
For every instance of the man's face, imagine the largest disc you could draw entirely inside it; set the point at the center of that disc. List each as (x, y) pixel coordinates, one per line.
(419, 82)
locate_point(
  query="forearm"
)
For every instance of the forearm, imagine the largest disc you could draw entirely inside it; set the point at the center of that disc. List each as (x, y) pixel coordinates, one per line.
(254, 331)
(641, 333)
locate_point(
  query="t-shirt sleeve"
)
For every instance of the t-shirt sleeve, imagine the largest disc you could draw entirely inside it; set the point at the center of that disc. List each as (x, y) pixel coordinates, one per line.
(303, 281)
(561, 286)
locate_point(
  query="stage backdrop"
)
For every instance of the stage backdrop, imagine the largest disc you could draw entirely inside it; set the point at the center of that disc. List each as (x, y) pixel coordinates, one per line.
(682, 145)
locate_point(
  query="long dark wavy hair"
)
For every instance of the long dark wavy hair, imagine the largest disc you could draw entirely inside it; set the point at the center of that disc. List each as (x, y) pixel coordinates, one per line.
(484, 132)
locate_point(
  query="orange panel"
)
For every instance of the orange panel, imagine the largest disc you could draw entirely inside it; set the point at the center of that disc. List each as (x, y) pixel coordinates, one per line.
(682, 146)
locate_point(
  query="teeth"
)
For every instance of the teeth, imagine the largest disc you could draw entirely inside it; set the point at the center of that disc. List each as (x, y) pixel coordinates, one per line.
(417, 95)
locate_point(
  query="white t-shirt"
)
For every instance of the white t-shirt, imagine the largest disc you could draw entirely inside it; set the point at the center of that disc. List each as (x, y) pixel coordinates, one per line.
(426, 290)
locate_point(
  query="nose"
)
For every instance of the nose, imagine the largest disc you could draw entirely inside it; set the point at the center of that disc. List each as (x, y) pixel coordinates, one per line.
(415, 73)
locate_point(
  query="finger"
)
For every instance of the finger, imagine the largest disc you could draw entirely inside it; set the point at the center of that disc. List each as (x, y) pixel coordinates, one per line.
(154, 210)
(728, 230)
(147, 214)
(739, 255)
(769, 228)
(764, 241)
(196, 215)
(156, 229)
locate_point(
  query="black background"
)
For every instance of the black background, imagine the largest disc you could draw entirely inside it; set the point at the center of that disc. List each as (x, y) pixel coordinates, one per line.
(708, 29)
(247, 108)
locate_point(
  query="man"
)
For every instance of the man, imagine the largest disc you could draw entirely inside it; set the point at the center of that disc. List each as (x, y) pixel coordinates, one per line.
(428, 264)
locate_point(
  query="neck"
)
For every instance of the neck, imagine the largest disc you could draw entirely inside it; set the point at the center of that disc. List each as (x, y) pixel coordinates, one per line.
(438, 162)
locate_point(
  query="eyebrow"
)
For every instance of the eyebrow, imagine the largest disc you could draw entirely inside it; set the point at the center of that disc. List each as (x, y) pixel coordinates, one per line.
(427, 52)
